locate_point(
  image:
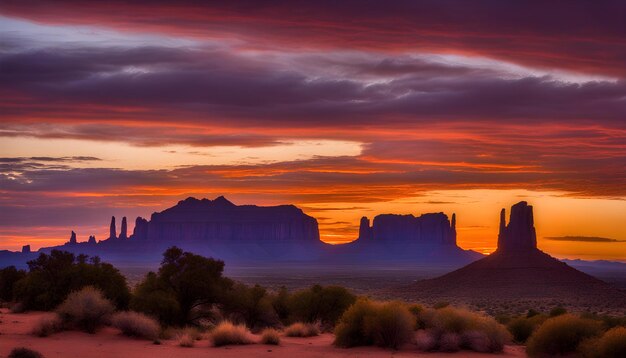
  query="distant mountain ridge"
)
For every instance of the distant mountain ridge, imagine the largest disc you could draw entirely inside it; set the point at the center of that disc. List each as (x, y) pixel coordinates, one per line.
(284, 233)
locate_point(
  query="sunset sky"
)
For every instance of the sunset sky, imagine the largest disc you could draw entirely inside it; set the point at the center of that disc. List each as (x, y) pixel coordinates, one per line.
(343, 108)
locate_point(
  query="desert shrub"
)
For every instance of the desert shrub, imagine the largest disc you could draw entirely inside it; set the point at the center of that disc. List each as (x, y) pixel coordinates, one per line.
(557, 311)
(391, 326)
(320, 303)
(186, 340)
(86, 309)
(280, 303)
(149, 299)
(227, 333)
(474, 331)
(136, 324)
(183, 290)
(350, 330)
(270, 336)
(561, 335)
(449, 342)
(48, 325)
(8, 277)
(300, 329)
(612, 344)
(385, 324)
(52, 277)
(522, 327)
(440, 305)
(23, 352)
(251, 305)
(425, 340)
(531, 312)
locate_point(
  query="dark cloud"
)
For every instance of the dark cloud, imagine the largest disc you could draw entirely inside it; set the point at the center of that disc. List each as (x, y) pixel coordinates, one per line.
(575, 35)
(583, 239)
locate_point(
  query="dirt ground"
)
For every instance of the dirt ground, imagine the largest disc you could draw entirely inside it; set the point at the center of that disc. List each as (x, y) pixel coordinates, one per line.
(15, 332)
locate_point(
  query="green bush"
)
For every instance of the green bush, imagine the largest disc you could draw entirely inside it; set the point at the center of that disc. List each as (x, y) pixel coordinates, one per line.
(184, 289)
(522, 327)
(136, 324)
(23, 352)
(391, 326)
(86, 309)
(8, 277)
(386, 324)
(251, 305)
(52, 277)
(280, 304)
(351, 330)
(561, 335)
(324, 304)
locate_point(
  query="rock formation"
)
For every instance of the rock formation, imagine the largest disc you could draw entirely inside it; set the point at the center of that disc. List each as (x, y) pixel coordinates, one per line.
(92, 239)
(519, 234)
(123, 231)
(427, 229)
(220, 220)
(112, 230)
(365, 230)
(72, 238)
(516, 270)
(26, 249)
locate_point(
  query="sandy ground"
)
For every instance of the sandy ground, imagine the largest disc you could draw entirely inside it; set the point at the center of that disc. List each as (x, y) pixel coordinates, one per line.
(15, 332)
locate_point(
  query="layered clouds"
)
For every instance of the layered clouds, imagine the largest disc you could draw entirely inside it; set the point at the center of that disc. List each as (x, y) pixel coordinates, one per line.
(389, 103)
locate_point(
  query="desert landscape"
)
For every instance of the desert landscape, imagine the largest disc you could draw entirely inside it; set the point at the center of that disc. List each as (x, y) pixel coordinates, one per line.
(354, 178)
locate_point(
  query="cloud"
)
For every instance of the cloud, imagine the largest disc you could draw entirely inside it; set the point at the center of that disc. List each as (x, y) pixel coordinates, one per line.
(587, 37)
(583, 239)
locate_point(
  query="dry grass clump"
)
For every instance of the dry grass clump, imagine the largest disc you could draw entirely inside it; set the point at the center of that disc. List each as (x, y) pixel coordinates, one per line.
(561, 335)
(612, 344)
(270, 336)
(186, 340)
(385, 324)
(227, 333)
(300, 329)
(454, 329)
(86, 309)
(48, 325)
(22, 352)
(136, 324)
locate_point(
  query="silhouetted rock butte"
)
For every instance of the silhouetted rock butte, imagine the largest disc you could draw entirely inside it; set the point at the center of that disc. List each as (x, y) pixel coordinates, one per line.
(516, 270)
(215, 220)
(112, 229)
(428, 229)
(72, 238)
(26, 249)
(123, 231)
(92, 239)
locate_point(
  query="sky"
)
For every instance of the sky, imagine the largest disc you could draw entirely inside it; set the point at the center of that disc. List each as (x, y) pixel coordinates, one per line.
(345, 109)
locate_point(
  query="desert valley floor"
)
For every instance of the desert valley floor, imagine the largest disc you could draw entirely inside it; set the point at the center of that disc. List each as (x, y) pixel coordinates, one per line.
(15, 331)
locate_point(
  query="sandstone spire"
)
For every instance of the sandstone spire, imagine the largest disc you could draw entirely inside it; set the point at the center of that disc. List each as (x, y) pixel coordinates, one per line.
(72, 238)
(123, 232)
(519, 234)
(92, 239)
(365, 230)
(112, 229)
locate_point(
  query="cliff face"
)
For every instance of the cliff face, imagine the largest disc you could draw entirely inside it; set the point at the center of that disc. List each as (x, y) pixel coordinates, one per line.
(519, 235)
(217, 220)
(429, 229)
